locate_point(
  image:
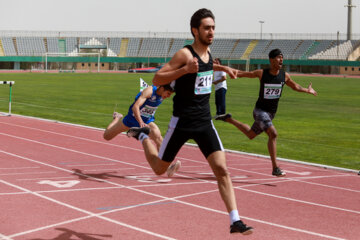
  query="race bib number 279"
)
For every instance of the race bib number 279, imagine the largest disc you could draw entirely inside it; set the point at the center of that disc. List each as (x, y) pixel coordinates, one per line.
(203, 82)
(272, 91)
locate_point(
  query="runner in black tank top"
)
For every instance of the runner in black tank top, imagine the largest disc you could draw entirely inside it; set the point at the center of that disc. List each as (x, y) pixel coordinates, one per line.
(271, 84)
(190, 71)
(270, 91)
(191, 102)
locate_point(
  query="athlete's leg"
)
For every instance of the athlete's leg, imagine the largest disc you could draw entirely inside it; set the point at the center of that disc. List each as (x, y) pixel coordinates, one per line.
(151, 153)
(217, 162)
(160, 160)
(272, 133)
(115, 127)
(246, 129)
(223, 100)
(217, 102)
(155, 134)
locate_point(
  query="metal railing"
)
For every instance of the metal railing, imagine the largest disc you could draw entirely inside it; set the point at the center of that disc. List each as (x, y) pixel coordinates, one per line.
(109, 34)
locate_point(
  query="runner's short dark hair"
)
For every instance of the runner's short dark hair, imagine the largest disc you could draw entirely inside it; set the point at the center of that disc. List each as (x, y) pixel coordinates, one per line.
(198, 16)
(274, 53)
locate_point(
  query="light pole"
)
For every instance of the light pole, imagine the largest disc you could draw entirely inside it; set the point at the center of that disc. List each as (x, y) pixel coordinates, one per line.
(349, 25)
(261, 23)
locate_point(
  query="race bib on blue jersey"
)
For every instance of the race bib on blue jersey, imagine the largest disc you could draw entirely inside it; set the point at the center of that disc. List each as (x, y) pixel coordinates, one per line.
(203, 82)
(148, 111)
(272, 91)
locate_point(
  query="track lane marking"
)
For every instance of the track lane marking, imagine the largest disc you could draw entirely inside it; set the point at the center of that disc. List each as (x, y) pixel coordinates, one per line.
(83, 211)
(190, 204)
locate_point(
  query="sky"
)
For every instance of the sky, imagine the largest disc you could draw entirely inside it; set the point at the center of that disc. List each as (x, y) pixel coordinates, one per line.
(231, 16)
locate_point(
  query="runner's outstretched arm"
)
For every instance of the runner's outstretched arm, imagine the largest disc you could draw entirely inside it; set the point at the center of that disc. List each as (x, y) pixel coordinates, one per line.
(253, 74)
(295, 86)
(231, 71)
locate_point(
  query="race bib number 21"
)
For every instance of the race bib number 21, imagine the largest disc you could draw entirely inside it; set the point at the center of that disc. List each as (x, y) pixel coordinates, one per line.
(203, 82)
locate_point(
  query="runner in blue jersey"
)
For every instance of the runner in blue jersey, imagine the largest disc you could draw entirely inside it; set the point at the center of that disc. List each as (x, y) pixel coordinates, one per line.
(190, 71)
(141, 113)
(272, 81)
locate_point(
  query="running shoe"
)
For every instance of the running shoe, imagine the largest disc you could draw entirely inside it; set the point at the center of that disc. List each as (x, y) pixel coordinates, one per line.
(278, 172)
(223, 117)
(173, 168)
(240, 227)
(117, 115)
(135, 132)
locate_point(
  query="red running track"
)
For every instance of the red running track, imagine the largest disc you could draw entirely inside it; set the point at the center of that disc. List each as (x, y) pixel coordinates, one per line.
(61, 181)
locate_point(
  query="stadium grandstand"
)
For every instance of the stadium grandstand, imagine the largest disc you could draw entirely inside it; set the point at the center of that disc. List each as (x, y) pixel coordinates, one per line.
(104, 51)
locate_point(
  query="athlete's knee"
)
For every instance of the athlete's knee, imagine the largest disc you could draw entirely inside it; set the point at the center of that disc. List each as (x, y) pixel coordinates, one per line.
(251, 134)
(161, 167)
(272, 133)
(158, 139)
(107, 136)
(251, 137)
(159, 171)
(221, 171)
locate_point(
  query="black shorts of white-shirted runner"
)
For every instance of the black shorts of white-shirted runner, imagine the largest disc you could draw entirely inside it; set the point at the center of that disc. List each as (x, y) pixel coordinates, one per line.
(223, 117)
(240, 227)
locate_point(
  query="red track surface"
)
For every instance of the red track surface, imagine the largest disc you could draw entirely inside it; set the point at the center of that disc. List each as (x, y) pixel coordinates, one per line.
(60, 181)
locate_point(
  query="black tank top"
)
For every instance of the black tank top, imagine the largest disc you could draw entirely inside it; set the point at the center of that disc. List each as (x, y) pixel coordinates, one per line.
(270, 91)
(192, 93)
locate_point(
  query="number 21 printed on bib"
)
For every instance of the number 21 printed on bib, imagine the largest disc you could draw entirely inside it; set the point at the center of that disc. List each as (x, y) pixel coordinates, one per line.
(203, 82)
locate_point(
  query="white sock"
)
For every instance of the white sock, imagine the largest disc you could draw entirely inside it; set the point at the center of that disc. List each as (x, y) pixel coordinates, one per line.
(234, 216)
(142, 136)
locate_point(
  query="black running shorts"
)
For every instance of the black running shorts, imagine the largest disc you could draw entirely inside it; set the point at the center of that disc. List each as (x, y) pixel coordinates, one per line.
(206, 137)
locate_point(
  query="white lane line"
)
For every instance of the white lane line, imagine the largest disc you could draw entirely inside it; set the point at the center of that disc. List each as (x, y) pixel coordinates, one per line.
(268, 175)
(35, 179)
(28, 173)
(17, 168)
(89, 165)
(140, 150)
(90, 214)
(245, 155)
(261, 221)
(74, 151)
(300, 201)
(299, 173)
(104, 188)
(328, 186)
(3, 237)
(71, 136)
(87, 217)
(109, 169)
(179, 201)
(97, 156)
(109, 158)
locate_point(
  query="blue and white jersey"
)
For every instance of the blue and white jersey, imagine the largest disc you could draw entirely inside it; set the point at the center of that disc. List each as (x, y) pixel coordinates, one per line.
(148, 109)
